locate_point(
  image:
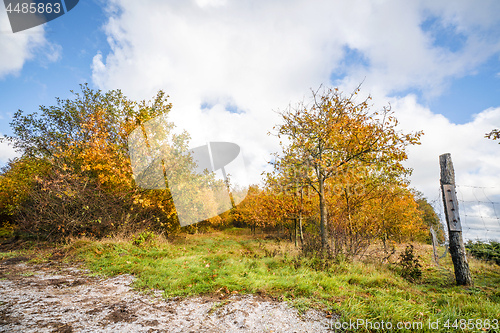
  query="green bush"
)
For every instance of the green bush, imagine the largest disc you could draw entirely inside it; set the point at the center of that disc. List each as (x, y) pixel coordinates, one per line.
(143, 238)
(485, 251)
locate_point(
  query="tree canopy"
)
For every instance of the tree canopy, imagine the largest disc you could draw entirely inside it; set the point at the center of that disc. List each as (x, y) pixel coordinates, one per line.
(81, 144)
(334, 137)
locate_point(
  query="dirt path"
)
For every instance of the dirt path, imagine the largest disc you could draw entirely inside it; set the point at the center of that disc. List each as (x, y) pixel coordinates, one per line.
(54, 297)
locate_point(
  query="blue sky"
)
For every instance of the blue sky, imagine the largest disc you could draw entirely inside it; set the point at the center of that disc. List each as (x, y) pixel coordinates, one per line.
(465, 96)
(74, 38)
(227, 64)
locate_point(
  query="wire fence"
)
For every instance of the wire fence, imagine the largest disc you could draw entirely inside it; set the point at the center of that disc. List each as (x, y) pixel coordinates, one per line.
(479, 212)
(479, 209)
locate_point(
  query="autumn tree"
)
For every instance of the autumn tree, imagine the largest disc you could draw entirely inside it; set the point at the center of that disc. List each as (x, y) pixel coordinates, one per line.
(429, 216)
(333, 133)
(87, 134)
(16, 180)
(288, 188)
(254, 208)
(84, 144)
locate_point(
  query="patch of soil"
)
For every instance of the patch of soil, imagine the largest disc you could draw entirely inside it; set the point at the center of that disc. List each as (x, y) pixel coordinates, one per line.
(14, 261)
(56, 297)
(11, 244)
(6, 319)
(120, 313)
(64, 328)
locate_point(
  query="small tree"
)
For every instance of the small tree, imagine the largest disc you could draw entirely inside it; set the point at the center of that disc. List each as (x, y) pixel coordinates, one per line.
(334, 132)
(411, 269)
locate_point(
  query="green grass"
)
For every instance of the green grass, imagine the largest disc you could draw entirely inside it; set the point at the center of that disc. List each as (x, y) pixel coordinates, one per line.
(234, 262)
(11, 254)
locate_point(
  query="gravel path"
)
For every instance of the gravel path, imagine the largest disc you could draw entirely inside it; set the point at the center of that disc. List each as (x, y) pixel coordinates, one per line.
(54, 297)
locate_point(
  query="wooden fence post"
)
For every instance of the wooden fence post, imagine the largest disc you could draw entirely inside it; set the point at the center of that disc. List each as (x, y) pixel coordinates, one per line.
(457, 248)
(434, 246)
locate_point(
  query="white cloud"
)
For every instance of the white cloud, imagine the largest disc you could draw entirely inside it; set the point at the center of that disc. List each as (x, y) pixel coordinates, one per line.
(263, 55)
(403, 56)
(17, 48)
(213, 3)
(6, 152)
(54, 52)
(476, 159)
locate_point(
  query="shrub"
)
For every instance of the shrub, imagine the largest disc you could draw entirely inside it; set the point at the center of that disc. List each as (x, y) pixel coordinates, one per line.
(62, 205)
(485, 251)
(143, 238)
(6, 230)
(410, 264)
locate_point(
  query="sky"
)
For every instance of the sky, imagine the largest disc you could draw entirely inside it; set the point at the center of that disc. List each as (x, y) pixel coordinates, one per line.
(227, 65)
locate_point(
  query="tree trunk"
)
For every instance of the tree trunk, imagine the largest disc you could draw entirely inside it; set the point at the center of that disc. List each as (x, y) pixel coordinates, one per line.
(300, 218)
(349, 219)
(323, 220)
(295, 231)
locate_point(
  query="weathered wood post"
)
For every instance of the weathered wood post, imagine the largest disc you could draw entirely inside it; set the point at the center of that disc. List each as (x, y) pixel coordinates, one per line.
(457, 248)
(434, 246)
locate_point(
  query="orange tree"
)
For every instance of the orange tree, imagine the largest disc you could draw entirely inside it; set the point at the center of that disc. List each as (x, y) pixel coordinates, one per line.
(429, 217)
(252, 210)
(291, 198)
(16, 180)
(367, 204)
(334, 133)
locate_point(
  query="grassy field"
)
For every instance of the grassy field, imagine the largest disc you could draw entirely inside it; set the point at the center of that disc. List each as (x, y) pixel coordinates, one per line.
(234, 262)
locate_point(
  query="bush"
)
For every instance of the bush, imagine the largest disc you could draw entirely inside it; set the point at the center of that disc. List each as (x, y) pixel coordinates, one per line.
(6, 230)
(61, 205)
(145, 237)
(410, 264)
(485, 251)
(16, 180)
(75, 175)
